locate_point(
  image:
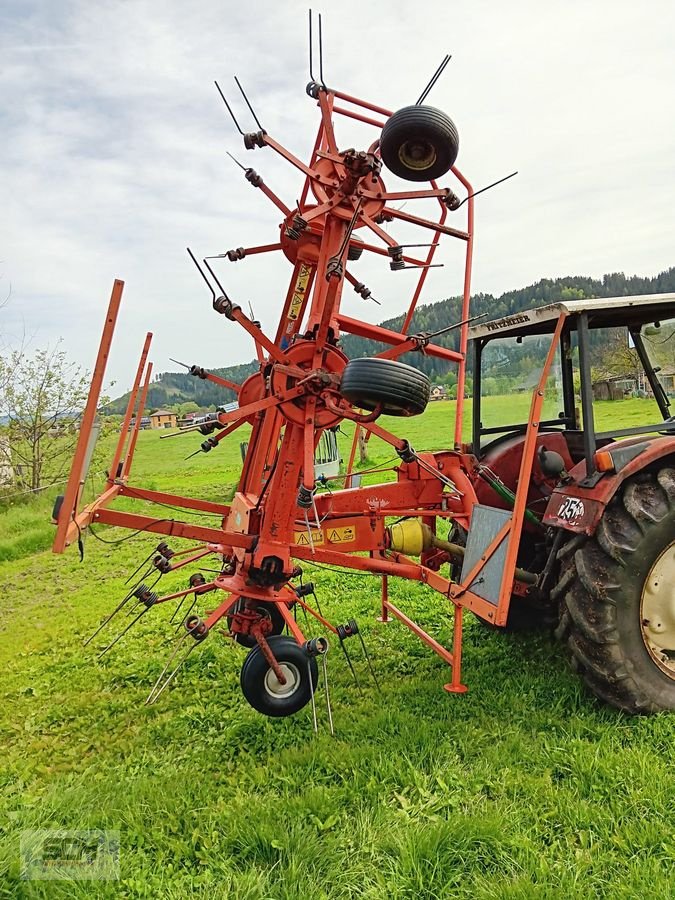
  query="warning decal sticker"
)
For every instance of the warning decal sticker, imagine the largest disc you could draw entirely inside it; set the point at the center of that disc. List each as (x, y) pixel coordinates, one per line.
(302, 537)
(299, 292)
(342, 535)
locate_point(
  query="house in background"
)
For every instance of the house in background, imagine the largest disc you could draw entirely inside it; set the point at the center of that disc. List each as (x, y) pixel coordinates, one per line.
(163, 418)
(666, 376)
(613, 387)
(144, 425)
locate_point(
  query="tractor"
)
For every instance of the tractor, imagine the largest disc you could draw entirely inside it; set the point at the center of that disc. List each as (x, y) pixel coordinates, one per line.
(600, 524)
(544, 520)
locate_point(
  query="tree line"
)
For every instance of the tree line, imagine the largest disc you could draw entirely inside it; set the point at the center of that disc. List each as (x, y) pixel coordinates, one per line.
(173, 388)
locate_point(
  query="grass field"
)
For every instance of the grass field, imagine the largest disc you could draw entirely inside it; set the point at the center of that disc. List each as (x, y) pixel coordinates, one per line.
(525, 787)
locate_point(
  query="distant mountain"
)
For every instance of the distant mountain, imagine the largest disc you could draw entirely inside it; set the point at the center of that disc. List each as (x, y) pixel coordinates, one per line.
(172, 388)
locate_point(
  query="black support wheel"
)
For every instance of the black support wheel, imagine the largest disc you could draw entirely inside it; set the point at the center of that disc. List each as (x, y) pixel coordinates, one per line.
(262, 688)
(268, 611)
(399, 389)
(419, 143)
(617, 596)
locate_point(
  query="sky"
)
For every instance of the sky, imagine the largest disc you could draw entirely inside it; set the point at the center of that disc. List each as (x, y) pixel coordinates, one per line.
(114, 140)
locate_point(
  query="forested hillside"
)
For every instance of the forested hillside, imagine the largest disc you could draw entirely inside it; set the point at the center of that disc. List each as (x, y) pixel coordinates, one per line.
(172, 388)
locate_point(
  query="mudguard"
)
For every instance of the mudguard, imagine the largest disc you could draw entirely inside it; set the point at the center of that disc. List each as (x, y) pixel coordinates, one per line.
(579, 509)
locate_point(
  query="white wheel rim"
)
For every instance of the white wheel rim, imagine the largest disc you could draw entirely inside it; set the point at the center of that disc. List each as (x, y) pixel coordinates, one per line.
(275, 688)
(657, 611)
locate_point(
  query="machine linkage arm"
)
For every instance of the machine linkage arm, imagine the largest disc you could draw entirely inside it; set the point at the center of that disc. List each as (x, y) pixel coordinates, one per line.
(234, 313)
(200, 372)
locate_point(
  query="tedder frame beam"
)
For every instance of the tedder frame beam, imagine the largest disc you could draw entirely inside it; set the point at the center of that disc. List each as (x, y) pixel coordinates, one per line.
(72, 493)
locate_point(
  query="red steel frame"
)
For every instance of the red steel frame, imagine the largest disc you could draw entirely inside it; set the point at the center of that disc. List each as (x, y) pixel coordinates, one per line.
(295, 397)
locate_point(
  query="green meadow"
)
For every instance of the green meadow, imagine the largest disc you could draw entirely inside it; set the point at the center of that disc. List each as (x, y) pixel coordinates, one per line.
(525, 787)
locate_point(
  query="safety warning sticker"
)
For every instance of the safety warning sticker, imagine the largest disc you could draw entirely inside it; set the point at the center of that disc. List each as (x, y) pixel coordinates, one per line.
(302, 537)
(299, 292)
(344, 535)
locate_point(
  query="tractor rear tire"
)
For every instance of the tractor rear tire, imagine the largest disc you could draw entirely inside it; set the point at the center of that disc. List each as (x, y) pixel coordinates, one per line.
(399, 389)
(616, 598)
(419, 143)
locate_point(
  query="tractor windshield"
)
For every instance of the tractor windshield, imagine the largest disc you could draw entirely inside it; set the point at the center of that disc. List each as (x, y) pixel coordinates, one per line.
(658, 341)
(510, 370)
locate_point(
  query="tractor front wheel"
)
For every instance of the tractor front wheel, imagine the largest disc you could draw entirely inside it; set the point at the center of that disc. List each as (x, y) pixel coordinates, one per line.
(617, 593)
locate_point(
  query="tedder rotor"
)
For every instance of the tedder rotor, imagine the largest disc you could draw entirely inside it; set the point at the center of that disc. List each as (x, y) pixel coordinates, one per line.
(282, 515)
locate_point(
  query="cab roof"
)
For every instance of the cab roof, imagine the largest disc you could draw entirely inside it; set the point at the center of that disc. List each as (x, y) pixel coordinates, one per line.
(604, 312)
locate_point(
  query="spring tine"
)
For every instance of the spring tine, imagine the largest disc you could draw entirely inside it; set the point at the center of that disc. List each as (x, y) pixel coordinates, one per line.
(171, 658)
(152, 586)
(215, 278)
(133, 608)
(309, 533)
(113, 613)
(200, 270)
(122, 633)
(146, 574)
(229, 109)
(323, 83)
(105, 621)
(351, 667)
(140, 566)
(171, 677)
(311, 74)
(432, 81)
(318, 605)
(316, 515)
(257, 121)
(177, 609)
(370, 665)
(154, 694)
(311, 691)
(187, 614)
(494, 184)
(325, 686)
(241, 167)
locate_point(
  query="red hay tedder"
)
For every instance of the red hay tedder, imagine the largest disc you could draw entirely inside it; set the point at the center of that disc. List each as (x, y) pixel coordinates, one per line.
(547, 520)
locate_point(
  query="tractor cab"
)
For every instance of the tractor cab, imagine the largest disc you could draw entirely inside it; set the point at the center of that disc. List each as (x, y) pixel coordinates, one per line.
(607, 396)
(590, 455)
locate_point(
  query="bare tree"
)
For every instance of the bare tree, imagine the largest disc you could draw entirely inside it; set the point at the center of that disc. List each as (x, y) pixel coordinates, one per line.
(41, 397)
(615, 357)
